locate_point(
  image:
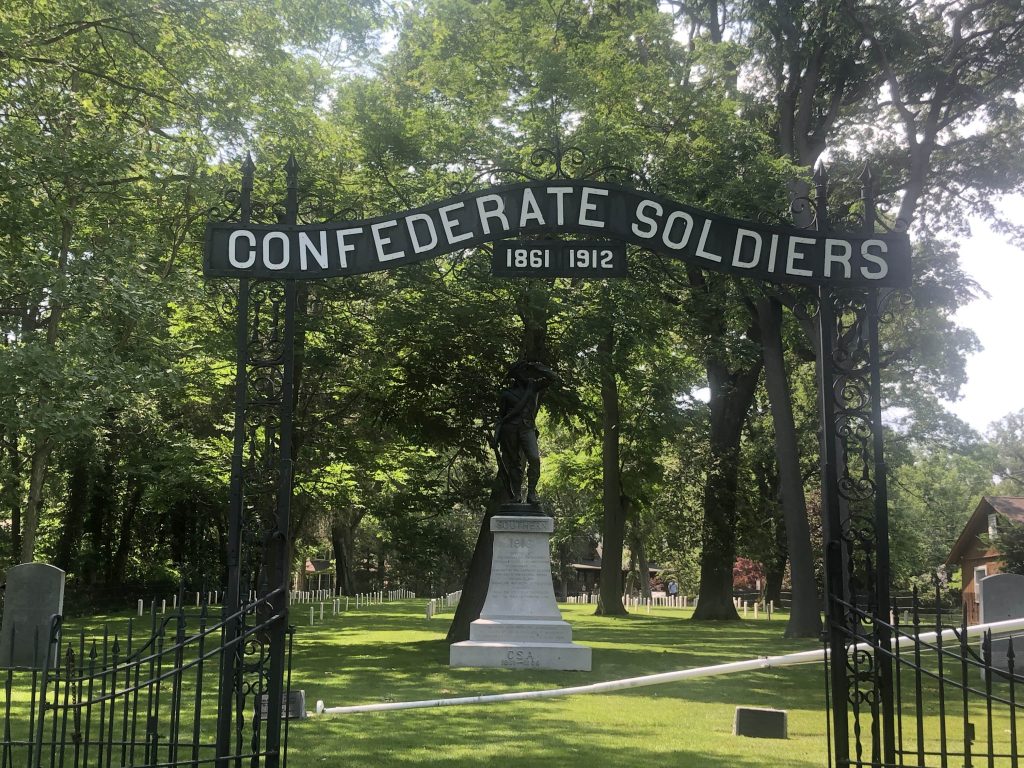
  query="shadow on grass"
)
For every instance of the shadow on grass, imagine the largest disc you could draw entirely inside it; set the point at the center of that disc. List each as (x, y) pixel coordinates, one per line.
(392, 653)
(522, 737)
(348, 671)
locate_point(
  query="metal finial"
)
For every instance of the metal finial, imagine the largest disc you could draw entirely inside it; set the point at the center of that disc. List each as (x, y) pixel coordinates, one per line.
(248, 169)
(867, 176)
(291, 169)
(821, 197)
(867, 179)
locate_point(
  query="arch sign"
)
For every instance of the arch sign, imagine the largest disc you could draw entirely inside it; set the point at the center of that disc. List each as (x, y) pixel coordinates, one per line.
(595, 210)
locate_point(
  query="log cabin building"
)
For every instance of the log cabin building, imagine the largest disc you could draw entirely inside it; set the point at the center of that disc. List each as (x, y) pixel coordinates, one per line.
(976, 551)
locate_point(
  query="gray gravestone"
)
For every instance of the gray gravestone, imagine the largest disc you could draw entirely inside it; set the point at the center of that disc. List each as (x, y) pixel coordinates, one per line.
(1002, 598)
(292, 708)
(760, 723)
(34, 595)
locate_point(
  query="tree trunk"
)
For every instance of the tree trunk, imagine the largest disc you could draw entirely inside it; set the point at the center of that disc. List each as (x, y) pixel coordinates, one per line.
(775, 571)
(637, 546)
(731, 397)
(12, 492)
(70, 542)
(102, 503)
(343, 538)
(478, 577)
(37, 477)
(609, 601)
(564, 569)
(127, 533)
(44, 444)
(805, 616)
(643, 567)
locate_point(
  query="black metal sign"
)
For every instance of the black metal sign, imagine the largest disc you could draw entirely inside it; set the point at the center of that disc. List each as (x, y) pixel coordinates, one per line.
(558, 258)
(773, 253)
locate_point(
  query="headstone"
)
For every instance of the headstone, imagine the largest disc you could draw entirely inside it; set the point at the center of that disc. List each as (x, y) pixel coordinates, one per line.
(760, 723)
(34, 595)
(292, 708)
(1002, 598)
(520, 626)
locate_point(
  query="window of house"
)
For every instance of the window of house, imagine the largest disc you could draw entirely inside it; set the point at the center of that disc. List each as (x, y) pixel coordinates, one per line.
(993, 525)
(980, 573)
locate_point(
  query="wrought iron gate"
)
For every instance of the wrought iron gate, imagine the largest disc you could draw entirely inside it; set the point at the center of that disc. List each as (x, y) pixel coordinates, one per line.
(897, 696)
(148, 696)
(914, 692)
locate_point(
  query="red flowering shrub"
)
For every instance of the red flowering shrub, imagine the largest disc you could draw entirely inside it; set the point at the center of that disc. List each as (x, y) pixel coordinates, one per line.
(746, 573)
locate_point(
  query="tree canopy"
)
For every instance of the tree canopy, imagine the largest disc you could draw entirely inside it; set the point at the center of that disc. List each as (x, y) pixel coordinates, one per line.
(122, 126)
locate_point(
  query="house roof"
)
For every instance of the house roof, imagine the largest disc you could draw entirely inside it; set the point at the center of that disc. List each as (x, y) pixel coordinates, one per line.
(1009, 506)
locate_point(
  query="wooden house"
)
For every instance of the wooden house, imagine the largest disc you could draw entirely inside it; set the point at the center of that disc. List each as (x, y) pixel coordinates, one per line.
(976, 551)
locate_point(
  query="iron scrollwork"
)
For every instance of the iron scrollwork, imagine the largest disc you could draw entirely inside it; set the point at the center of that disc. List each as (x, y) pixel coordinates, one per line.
(260, 494)
(855, 502)
(559, 161)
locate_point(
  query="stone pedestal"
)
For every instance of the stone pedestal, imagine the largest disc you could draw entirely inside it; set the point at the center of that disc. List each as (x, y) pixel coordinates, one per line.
(520, 626)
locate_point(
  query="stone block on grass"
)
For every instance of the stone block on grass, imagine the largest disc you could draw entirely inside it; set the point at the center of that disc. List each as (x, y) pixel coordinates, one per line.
(760, 723)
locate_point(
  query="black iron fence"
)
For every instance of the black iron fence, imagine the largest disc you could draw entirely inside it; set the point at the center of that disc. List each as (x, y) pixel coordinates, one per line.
(145, 696)
(955, 694)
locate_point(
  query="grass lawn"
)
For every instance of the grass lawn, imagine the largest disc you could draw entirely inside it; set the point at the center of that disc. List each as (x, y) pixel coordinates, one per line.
(391, 653)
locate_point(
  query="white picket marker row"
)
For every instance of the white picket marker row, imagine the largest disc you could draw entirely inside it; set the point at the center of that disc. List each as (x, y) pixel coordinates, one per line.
(632, 601)
(310, 597)
(443, 603)
(324, 597)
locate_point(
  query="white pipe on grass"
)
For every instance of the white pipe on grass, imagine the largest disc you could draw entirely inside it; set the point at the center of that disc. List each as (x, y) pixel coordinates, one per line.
(764, 662)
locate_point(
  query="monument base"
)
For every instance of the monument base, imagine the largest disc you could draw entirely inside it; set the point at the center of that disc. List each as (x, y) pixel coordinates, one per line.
(478, 653)
(520, 626)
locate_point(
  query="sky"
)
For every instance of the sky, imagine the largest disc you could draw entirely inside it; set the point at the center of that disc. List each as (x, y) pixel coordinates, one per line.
(995, 385)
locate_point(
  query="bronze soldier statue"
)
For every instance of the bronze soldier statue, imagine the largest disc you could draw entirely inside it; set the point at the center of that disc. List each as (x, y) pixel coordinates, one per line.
(516, 433)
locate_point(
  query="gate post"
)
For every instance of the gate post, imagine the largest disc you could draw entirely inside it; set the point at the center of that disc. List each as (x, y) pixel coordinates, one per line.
(855, 512)
(278, 554)
(260, 505)
(232, 650)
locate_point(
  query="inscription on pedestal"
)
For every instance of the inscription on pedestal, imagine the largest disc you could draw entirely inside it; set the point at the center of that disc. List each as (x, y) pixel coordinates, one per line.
(528, 524)
(519, 658)
(520, 582)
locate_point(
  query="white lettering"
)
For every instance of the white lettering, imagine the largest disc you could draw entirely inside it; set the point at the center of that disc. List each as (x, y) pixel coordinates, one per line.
(232, 258)
(793, 256)
(380, 241)
(344, 249)
(587, 206)
(837, 252)
(449, 225)
(874, 258)
(498, 212)
(560, 193)
(643, 218)
(703, 241)
(530, 209)
(673, 217)
(773, 250)
(306, 247)
(410, 222)
(285, 250)
(741, 235)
